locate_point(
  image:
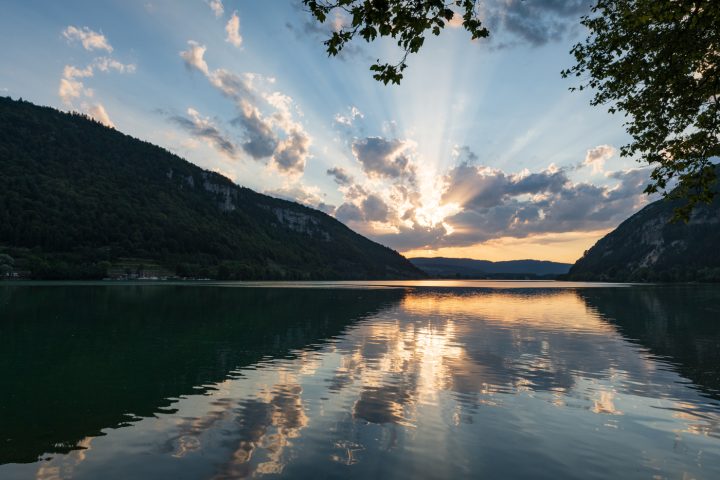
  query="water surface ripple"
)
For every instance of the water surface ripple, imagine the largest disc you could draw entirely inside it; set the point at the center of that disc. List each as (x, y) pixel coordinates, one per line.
(378, 380)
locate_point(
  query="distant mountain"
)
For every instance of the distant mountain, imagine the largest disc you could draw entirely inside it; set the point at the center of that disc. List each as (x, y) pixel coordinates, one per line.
(469, 268)
(79, 200)
(649, 247)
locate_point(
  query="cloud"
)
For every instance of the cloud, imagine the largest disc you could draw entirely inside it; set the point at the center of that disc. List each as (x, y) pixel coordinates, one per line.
(107, 64)
(495, 204)
(463, 154)
(217, 7)
(90, 39)
(536, 22)
(322, 31)
(484, 187)
(70, 89)
(97, 111)
(340, 175)
(296, 192)
(349, 119)
(480, 187)
(233, 30)
(71, 72)
(274, 135)
(375, 209)
(260, 140)
(349, 212)
(472, 203)
(193, 57)
(596, 157)
(291, 154)
(203, 128)
(381, 157)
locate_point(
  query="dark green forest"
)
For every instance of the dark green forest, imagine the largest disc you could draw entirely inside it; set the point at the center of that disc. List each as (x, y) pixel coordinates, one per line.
(79, 200)
(651, 247)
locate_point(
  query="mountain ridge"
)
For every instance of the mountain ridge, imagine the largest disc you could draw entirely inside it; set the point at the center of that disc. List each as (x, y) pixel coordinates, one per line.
(473, 268)
(77, 197)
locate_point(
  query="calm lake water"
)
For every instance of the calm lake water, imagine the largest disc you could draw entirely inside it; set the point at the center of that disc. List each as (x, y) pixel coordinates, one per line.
(352, 380)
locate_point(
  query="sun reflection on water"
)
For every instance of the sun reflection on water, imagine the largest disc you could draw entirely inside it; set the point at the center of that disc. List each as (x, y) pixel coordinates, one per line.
(537, 369)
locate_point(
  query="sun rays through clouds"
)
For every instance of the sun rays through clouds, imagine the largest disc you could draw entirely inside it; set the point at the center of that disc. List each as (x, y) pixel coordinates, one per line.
(480, 148)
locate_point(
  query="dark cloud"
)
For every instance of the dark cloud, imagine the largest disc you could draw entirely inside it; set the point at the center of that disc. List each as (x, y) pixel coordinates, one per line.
(546, 181)
(534, 22)
(384, 157)
(417, 236)
(494, 203)
(349, 212)
(308, 27)
(291, 153)
(474, 187)
(482, 187)
(340, 175)
(234, 86)
(371, 209)
(201, 128)
(260, 140)
(375, 209)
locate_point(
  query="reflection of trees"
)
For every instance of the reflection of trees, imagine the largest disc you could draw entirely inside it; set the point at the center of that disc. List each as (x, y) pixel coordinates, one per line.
(449, 354)
(464, 351)
(678, 323)
(103, 352)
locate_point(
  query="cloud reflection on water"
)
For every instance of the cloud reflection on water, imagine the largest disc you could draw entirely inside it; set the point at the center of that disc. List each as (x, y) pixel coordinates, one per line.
(449, 366)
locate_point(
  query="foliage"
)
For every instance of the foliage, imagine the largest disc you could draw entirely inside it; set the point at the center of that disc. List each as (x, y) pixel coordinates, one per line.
(659, 64)
(141, 338)
(406, 22)
(6, 264)
(75, 195)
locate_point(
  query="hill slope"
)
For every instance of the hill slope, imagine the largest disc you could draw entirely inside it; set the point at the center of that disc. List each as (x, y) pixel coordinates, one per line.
(469, 268)
(75, 195)
(648, 247)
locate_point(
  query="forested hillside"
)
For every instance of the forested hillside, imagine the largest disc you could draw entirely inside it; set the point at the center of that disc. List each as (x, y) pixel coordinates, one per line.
(79, 200)
(648, 246)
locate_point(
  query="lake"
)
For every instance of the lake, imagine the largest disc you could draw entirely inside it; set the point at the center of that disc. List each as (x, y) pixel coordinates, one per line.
(399, 380)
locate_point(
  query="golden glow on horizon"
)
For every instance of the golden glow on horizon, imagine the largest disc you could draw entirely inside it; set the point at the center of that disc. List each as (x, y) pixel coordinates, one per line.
(557, 247)
(561, 310)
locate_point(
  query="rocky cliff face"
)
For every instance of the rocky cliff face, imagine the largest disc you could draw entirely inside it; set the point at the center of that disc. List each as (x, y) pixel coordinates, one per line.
(650, 247)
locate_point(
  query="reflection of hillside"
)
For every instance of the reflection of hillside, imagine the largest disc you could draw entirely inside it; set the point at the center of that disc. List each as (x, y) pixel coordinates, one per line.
(428, 378)
(670, 323)
(77, 360)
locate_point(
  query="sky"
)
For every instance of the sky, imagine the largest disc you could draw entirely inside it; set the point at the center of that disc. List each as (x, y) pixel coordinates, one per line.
(481, 152)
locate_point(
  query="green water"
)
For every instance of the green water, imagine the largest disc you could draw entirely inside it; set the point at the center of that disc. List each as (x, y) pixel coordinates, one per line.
(379, 379)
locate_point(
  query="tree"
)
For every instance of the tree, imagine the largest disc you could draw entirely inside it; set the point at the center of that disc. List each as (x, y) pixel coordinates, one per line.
(405, 21)
(6, 264)
(657, 62)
